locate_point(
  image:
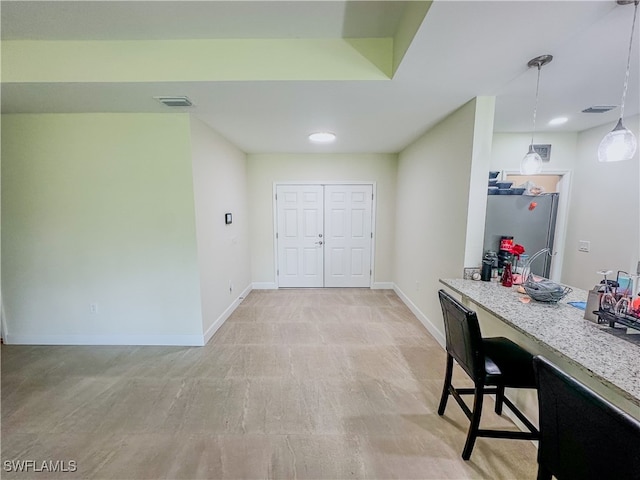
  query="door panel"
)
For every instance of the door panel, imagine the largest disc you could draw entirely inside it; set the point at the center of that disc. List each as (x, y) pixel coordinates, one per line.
(358, 223)
(337, 261)
(348, 235)
(290, 266)
(358, 262)
(290, 223)
(312, 218)
(299, 211)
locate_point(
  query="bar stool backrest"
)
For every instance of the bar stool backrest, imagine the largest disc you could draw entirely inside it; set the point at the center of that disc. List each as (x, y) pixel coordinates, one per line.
(582, 435)
(463, 337)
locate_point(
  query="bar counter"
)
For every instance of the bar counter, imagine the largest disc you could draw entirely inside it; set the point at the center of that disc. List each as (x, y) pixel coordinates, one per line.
(561, 329)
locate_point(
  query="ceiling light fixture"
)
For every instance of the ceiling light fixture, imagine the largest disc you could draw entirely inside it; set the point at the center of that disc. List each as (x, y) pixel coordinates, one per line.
(322, 137)
(620, 143)
(558, 121)
(531, 163)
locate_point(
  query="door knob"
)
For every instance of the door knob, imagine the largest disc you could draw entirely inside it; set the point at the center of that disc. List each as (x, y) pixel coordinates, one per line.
(320, 235)
(319, 243)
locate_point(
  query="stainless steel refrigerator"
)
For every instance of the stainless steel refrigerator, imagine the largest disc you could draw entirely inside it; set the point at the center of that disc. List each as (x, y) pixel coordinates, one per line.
(531, 221)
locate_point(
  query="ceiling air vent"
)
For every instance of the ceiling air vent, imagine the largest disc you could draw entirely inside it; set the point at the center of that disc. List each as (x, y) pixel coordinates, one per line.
(175, 101)
(599, 109)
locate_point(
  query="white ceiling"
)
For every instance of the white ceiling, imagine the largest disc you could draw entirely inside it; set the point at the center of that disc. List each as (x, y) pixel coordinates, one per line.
(462, 50)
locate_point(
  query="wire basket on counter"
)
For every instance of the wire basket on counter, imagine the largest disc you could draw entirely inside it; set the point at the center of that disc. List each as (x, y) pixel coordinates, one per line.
(542, 290)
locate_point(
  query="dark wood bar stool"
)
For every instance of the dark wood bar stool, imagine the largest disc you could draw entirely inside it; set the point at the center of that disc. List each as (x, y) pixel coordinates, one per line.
(492, 363)
(582, 435)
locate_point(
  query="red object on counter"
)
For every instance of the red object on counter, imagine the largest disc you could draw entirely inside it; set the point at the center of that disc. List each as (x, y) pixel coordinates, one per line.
(507, 276)
(635, 305)
(532, 205)
(506, 243)
(517, 250)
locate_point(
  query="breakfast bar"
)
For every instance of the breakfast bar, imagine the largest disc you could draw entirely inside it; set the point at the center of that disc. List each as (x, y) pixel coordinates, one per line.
(607, 363)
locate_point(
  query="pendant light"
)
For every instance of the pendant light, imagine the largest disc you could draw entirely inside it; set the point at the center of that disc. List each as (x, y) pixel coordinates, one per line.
(620, 143)
(531, 164)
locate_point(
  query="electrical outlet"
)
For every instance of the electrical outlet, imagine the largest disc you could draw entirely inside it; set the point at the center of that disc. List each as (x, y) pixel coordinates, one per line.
(93, 308)
(417, 286)
(584, 246)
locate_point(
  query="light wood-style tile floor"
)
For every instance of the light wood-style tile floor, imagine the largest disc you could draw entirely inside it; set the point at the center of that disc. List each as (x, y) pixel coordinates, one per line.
(322, 384)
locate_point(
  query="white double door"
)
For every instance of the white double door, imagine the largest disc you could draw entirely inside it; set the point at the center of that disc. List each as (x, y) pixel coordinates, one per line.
(324, 235)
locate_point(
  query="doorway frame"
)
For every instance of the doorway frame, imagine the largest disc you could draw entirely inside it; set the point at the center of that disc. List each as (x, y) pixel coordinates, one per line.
(374, 202)
(562, 216)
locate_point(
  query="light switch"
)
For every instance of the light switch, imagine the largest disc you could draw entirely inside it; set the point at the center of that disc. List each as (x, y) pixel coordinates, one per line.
(584, 246)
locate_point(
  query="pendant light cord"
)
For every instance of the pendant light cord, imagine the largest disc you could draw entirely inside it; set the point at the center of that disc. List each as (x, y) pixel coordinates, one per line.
(535, 108)
(626, 76)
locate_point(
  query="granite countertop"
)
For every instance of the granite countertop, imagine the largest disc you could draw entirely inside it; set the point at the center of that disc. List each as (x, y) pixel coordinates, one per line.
(562, 328)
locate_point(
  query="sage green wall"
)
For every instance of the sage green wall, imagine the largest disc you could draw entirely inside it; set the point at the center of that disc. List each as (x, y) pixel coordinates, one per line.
(184, 60)
(434, 174)
(99, 208)
(264, 170)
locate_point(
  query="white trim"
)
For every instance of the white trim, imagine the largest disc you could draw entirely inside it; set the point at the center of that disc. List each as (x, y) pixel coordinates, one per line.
(421, 316)
(382, 286)
(225, 315)
(3, 321)
(562, 220)
(275, 232)
(168, 340)
(327, 182)
(372, 262)
(265, 286)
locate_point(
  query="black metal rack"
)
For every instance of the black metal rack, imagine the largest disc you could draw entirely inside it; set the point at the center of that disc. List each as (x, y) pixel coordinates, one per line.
(611, 318)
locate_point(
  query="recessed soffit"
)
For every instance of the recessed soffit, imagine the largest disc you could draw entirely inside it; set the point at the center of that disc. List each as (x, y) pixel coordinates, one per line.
(225, 41)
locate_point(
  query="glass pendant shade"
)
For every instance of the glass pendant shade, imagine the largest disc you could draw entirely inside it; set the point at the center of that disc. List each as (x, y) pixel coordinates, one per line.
(620, 143)
(617, 145)
(531, 163)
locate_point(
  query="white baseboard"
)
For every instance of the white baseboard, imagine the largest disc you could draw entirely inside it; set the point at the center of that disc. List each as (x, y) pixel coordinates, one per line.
(265, 286)
(165, 340)
(245, 292)
(3, 324)
(274, 286)
(225, 315)
(382, 286)
(421, 316)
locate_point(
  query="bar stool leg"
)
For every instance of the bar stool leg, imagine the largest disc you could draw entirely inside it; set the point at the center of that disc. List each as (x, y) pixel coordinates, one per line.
(543, 473)
(475, 422)
(447, 385)
(499, 399)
